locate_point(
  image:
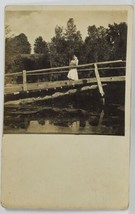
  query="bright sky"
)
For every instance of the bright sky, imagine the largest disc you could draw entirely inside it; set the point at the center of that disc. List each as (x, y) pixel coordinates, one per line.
(42, 23)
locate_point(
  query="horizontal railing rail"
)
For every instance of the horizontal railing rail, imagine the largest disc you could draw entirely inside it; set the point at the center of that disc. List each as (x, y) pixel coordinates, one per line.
(60, 72)
(58, 69)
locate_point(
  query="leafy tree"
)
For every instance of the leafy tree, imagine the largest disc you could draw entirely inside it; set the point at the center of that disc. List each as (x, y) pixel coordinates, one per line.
(58, 54)
(96, 45)
(21, 44)
(34, 61)
(101, 44)
(14, 46)
(40, 46)
(42, 59)
(65, 43)
(73, 39)
(117, 37)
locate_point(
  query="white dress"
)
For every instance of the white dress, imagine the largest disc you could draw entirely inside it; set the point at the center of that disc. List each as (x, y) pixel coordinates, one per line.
(72, 74)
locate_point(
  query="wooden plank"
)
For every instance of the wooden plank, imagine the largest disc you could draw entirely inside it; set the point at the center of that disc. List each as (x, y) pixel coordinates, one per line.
(12, 74)
(98, 80)
(57, 84)
(13, 88)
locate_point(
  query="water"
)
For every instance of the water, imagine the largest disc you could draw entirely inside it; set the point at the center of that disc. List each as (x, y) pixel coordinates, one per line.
(77, 114)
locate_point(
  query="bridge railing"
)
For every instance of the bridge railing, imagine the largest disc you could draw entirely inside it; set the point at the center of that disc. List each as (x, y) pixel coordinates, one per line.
(60, 73)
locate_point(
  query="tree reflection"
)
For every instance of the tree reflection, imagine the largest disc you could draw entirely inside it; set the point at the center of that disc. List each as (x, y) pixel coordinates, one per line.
(98, 121)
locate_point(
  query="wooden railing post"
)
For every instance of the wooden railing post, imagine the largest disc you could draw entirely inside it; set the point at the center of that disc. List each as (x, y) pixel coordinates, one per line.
(24, 81)
(98, 80)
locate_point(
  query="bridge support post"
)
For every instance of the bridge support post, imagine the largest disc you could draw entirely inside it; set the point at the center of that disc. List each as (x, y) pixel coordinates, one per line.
(24, 81)
(99, 83)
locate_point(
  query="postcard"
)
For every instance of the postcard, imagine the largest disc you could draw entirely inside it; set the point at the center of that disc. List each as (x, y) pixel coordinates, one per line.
(67, 95)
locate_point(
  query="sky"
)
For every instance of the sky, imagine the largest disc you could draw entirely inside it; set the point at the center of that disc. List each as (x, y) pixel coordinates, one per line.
(35, 23)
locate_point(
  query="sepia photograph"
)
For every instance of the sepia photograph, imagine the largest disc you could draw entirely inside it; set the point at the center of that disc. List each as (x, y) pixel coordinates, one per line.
(65, 70)
(67, 107)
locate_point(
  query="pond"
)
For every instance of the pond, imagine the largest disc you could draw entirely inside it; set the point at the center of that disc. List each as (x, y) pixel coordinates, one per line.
(77, 114)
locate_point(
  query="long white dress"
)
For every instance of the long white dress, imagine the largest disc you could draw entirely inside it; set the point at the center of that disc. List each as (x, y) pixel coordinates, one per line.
(72, 74)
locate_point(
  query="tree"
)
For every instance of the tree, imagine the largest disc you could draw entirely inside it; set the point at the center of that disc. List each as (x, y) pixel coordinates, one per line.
(65, 43)
(21, 44)
(104, 44)
(73, 39)
(42, 59)
(18, 45)
(15, 46)
(57, 48)
(117, 37)
(96, 45)
(40, 46)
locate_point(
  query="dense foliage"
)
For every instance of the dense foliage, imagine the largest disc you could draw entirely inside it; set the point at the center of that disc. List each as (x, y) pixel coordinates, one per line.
(100, 44)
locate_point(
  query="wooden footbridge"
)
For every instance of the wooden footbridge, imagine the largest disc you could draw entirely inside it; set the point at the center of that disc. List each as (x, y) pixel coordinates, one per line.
(53, 82)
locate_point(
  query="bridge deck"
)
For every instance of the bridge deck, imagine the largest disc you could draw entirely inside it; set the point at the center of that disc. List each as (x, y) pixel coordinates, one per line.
(17, 88)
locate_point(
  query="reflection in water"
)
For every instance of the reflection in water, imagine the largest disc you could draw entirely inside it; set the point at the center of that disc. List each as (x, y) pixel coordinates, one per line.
(74, 115)
(84, 122)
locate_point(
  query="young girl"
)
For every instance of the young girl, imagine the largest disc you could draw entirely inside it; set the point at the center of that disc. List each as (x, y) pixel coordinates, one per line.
(72, 74)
